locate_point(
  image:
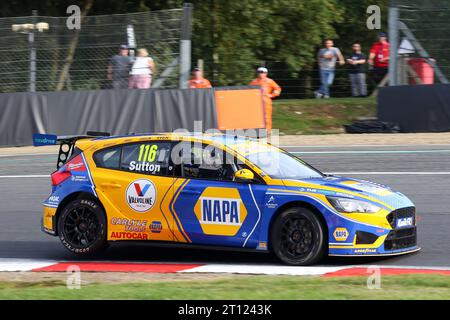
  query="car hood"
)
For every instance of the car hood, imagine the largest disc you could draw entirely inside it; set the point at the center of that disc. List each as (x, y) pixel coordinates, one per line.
(347, 187)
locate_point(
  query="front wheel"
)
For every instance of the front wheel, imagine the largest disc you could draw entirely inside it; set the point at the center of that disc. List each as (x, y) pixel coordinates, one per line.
(82, 227)
(298, 237)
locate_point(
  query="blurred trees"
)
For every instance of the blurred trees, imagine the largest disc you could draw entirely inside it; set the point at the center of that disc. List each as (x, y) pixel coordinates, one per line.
(235, 36)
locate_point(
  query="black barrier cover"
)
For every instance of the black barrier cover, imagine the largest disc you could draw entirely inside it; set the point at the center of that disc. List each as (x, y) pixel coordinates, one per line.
(115, 111)
(420, 108)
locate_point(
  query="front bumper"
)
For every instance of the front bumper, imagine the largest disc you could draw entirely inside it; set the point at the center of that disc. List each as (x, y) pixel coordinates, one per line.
(375, 241)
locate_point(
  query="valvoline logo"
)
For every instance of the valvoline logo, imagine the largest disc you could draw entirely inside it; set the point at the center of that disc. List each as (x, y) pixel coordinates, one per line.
(220, 211)
(141, 195)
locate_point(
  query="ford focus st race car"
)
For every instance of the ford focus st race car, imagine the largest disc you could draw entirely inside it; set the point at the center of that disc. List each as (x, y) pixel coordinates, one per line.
(217, 190)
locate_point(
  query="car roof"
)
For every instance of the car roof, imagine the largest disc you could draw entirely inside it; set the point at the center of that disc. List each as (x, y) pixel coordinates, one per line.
(229, 140)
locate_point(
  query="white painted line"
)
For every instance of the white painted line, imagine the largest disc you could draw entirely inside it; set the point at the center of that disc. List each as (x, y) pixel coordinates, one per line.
(418, 173)
(25, 176)
(23, 264)
(27, 154)
(258, 269)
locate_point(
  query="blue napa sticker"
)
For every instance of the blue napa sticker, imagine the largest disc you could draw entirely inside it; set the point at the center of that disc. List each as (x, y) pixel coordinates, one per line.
(40, 139)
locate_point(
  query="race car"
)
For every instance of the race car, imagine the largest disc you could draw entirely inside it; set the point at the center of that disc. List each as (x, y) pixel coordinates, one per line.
(217, 190)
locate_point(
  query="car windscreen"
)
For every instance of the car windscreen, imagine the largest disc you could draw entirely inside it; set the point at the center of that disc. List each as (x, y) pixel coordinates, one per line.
(282, 165)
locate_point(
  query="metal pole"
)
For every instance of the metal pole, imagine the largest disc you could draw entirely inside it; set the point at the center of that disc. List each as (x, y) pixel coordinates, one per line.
(185, 45)
(32, 54)
(393, 18)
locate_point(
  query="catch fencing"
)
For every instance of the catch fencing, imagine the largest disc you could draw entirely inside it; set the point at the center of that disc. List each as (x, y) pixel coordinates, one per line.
(420, 41)
(86, 52)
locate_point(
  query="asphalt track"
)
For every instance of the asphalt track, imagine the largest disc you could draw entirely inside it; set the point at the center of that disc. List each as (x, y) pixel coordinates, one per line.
(420, 172)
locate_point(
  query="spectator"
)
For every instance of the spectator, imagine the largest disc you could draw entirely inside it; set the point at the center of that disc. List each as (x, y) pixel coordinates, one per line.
(379, 58)
(270, 89)
(119, 68)
(197, 81)
(356, 71)
(142, 71)
(327, 58)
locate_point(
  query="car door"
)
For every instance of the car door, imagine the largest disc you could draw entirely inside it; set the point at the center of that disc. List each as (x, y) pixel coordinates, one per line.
(134, 182)
(210, 207)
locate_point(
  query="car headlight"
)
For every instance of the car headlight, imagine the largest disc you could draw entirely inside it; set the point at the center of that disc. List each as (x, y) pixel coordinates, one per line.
(352, 205)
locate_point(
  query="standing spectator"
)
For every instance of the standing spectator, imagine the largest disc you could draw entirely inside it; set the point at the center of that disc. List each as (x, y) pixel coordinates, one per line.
(379, 58)
(197, 81)
(119, 68)
(356, 71)
(142, 71)
(327, 58)
(270, 89)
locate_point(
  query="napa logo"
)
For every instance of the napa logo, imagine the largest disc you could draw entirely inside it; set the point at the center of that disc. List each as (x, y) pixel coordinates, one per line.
(220, 211)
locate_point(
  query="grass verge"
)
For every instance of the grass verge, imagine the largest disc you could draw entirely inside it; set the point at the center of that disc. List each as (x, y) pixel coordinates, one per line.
(320, 116)
(241, 287)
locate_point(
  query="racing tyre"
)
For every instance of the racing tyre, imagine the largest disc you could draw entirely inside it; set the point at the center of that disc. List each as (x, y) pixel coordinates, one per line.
(298, 237)
(82, 227)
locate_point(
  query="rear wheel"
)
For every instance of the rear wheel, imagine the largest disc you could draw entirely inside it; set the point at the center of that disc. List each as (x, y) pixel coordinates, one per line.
(82, 227)
(298, 237)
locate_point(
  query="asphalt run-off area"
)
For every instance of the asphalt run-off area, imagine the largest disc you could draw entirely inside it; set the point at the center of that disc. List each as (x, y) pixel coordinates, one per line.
(420, 172)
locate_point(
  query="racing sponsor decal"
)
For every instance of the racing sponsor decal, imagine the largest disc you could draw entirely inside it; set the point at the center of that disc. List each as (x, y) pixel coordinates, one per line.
(141, 195)
(220, 211)
(76, 178)
(129, 235)
(144, 163)
(155, 227)
(340, 234)
(53, 199)
(76, 164)
(364, 251)
(404, 222)
(130, 225)
(271, 203)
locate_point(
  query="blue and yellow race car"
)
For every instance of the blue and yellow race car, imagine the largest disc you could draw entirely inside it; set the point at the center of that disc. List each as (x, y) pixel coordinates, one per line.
(217, 190)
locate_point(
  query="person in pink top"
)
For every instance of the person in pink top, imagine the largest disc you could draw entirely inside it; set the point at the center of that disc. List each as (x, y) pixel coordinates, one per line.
(142, 71)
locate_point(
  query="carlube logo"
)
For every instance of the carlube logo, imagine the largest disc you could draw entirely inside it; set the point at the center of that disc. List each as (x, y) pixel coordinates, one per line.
(141, 195)
(220, 211)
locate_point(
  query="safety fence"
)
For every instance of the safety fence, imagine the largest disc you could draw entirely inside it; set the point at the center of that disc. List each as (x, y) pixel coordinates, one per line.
(421, 33)
(58, 58)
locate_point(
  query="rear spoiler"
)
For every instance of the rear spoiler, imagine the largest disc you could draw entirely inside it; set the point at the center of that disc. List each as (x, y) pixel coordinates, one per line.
(66, 143)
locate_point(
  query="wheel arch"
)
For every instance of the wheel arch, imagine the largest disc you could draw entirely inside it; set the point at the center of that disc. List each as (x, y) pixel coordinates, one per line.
(294, 204)
(74, 196)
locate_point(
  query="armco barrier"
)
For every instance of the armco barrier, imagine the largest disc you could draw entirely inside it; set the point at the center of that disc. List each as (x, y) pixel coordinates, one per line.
(121, 112)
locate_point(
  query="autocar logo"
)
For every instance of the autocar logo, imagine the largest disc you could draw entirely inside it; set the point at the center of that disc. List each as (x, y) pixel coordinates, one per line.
(220, 211)
(141, 195)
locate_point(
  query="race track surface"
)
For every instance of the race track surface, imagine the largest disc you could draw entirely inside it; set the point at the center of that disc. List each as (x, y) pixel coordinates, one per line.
(420, 172)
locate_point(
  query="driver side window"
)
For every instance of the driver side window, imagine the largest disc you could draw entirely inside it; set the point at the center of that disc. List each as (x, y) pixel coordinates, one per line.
(201, 161)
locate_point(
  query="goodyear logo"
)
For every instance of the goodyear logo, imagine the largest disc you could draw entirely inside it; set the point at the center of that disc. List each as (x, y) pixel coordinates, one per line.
(340, 234)
(220, 211)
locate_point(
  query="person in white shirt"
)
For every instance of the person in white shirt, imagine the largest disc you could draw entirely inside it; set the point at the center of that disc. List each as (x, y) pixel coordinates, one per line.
(142, 71)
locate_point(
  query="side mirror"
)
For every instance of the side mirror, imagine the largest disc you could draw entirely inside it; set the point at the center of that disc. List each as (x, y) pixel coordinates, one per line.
(244, 175)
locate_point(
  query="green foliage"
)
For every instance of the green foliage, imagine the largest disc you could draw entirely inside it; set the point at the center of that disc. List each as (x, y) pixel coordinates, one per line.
(233, 37)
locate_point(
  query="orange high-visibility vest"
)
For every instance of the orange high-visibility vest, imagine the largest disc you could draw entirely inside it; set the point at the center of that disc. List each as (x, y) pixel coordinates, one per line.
(199, 84)
(270, 90)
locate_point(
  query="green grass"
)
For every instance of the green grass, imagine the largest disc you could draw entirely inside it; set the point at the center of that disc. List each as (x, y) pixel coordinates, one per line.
(320, 116)
(242, 287)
